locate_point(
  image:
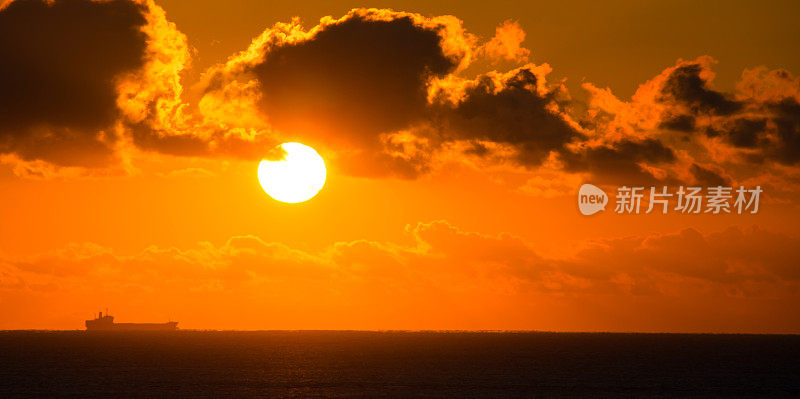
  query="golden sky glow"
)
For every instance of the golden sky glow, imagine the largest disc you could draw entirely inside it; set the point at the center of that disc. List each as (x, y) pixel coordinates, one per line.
(453, 140)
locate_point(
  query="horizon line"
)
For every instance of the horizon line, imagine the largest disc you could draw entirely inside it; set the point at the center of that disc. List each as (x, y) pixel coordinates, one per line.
(441, 331)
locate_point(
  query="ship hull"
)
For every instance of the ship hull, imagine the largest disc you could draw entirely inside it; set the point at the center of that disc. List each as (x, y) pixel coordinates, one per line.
(170, 326)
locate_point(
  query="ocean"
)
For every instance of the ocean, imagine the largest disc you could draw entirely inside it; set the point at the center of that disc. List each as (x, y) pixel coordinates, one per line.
(212, 364)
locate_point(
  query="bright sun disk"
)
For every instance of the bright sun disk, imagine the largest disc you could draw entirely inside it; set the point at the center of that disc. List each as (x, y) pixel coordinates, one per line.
(296, 178)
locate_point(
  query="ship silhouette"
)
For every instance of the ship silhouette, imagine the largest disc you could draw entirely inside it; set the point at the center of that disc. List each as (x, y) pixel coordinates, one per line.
(106, 323)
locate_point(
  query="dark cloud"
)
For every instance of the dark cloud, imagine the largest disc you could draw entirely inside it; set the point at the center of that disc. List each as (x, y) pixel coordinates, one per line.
(741, 132)
(478, 149)
(57, 76)
(514, 113)
(770, 128)
(680, 123)
(352, 80)
(745, 132)
(182, 145)
(366, 86)
(787, 122)
(764, 120)
(686, 86)
(620, 160)
(361, 77)
(707, 177)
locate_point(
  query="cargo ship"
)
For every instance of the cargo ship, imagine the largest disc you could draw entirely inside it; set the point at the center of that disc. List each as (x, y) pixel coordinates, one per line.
(106, 323)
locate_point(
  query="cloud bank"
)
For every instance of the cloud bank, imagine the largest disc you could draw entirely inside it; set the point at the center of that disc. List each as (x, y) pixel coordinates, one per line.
(384, 93)
(441, 276)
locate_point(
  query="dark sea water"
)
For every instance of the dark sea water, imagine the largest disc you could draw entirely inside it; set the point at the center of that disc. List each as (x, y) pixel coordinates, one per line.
(395, 364)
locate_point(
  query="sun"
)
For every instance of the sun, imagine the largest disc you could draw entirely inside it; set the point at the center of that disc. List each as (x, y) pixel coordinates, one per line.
(296, 178)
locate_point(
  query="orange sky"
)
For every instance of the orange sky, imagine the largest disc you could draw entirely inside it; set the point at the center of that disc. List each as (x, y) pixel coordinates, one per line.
(455, 137)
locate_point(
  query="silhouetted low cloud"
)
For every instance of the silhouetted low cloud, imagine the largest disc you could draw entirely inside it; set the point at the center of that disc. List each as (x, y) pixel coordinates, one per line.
(445, 260)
